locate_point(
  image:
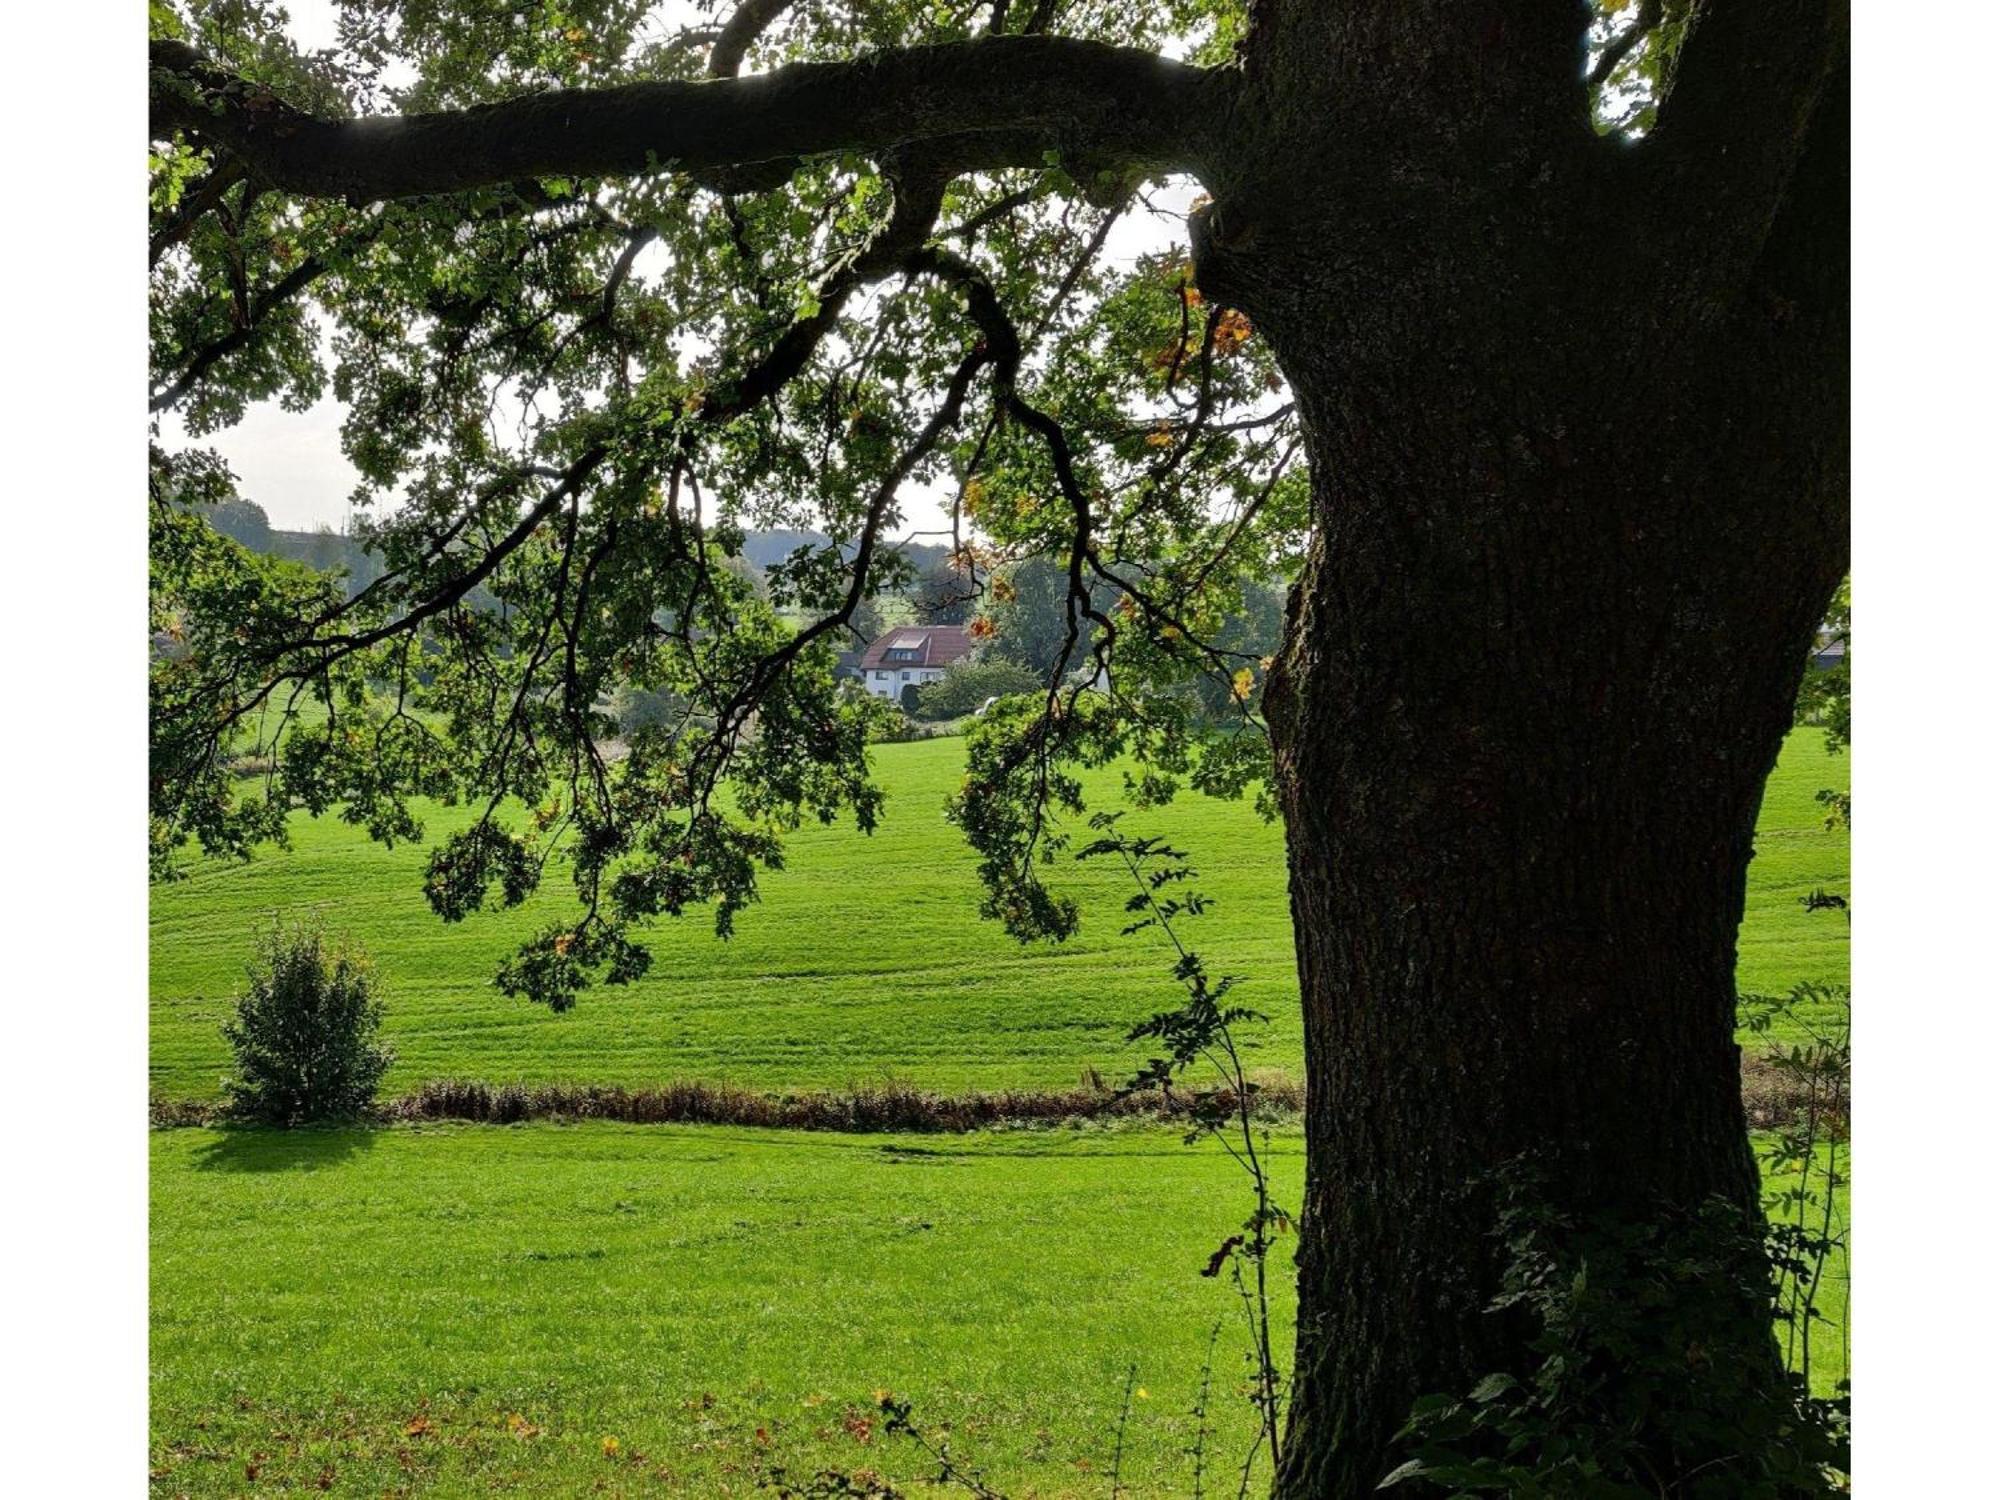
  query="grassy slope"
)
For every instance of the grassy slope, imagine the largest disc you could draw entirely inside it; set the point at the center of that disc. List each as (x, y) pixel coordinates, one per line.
(313, 1291)
(679, 1289)
(865, 957)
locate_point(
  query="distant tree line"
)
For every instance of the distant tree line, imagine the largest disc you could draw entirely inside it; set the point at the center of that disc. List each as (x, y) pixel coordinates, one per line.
(1027, 603)
(327, 550)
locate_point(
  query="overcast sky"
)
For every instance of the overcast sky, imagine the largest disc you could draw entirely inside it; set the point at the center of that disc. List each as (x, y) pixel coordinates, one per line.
(291, 463)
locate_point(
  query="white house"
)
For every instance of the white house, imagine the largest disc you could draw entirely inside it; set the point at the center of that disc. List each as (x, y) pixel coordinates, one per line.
(910, 656)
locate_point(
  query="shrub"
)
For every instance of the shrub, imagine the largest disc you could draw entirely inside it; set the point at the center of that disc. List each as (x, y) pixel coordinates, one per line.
(304, 1033)
(895, 729)
(1655, 1373)
(967, 684)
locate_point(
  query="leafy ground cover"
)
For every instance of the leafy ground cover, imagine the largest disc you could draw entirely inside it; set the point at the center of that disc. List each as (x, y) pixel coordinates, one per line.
(865, 958)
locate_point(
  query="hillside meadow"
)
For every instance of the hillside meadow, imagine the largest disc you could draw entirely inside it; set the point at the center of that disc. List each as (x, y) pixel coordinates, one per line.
(865, 957)
(592, 1308)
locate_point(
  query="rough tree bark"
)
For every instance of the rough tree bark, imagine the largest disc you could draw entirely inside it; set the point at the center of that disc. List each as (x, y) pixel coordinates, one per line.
(1577, 425)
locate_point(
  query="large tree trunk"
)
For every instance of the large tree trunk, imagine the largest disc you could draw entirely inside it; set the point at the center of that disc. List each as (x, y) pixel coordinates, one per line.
(1520, 784)
(1577, 434)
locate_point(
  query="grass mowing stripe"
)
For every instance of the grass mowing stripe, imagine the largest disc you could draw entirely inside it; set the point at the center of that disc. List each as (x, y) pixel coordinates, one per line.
(865, 958)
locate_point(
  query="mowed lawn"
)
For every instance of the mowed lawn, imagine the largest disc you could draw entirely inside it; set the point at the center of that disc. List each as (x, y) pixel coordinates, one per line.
(865, 958)
(644, 1310)
(470, 1310)
(375, 1306)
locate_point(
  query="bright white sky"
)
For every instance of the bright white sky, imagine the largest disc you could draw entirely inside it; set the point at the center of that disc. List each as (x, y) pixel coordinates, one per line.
(291, 462)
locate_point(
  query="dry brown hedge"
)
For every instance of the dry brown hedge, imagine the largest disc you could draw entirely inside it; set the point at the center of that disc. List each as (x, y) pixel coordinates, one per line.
(1768, 1099)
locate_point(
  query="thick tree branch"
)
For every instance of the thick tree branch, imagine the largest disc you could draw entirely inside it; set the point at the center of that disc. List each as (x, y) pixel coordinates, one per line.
(1004, 99)
(1745, 84)
(745, 24)
(919, 194)
(1620, 46)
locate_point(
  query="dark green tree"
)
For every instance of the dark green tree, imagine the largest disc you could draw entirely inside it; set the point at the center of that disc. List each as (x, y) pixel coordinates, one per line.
(1253, 634)
(1032, 610)
(242, 521)
(868, 621)
(943, 594)
(1513, 330)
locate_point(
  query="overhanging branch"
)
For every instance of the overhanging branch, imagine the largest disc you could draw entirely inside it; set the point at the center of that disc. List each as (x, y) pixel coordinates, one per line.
(1003, 100)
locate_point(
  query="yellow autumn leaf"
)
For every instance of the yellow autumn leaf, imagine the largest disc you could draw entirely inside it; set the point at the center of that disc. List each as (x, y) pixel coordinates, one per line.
(1241, 683)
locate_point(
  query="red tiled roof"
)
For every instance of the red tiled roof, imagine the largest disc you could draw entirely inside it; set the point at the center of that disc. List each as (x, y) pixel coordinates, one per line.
(935, 645)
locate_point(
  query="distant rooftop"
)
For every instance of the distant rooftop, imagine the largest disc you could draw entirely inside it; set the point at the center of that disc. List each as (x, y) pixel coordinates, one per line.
(917, 646)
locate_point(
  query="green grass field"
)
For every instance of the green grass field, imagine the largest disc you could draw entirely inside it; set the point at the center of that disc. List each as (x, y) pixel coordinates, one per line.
(471, 1310)
(682, 1289)
(604, 1280)
(865, 957)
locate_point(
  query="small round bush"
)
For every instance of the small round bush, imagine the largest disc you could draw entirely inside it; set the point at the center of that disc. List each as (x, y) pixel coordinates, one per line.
(304, 1033)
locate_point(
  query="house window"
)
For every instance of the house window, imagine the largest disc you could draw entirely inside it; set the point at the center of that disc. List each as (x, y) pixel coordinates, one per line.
(906, 677)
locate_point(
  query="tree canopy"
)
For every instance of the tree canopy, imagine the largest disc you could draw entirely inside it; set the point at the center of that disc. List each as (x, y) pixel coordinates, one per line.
(577, 370)
(602, 286)
(1550, 295)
